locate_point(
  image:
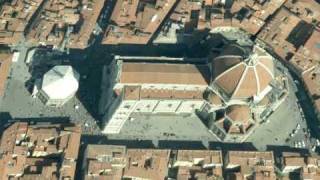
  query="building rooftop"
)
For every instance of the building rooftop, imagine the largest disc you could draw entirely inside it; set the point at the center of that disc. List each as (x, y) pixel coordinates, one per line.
(104, 161)
(241, 77)
(135, 22)
(147, 164)
(65, 23)
(139, 93)
(306, 57)
(237, 120)
(198, 163)
(39, 151)
(306, 10)
(307, 167)
(161, 73)
(15, 17)
(249, 15)
(238, 113)
(242, 164)
(278, 29)
(90, 13)
(312, 83)
(60, 82)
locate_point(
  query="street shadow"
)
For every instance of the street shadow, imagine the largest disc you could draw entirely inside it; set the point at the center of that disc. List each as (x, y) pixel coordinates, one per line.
(306, 105)
(5, 119)
(89, 85)
(168, 144)
(103, 140)
(44, 120)
(205, 72)
(170, 50)
(245, 146)
(278, 150)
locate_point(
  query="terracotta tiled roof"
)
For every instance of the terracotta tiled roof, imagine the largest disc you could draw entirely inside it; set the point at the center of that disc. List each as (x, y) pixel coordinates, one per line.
(25, 148)
(243, 78)
(160, 73)
(132, 24)
(104, 162)
(237, 119)
(207, 157)
(238, 113)
(147, 164)
(229, 80)
(251, 163)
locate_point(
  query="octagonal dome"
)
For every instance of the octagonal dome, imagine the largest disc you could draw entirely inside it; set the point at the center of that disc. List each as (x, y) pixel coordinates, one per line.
(240, 77)
(60, 82)
(237, 119)
(238, 113)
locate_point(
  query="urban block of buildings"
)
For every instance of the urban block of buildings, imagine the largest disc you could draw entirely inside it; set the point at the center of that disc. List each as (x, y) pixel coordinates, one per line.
(299, 166)
(249, 165)
(136, 21)
(15, 18)
(51, 151)
(293, 34)
(198, 164)
(59, 24)
(116, 162)
(40, 151)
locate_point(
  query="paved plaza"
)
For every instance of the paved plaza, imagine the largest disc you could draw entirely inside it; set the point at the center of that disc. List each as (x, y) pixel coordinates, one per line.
(18, 102)
(281, 123)
(164, 127)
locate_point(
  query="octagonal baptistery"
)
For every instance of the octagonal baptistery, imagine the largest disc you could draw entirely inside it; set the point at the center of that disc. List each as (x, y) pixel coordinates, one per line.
(238, 76)
(58, 86)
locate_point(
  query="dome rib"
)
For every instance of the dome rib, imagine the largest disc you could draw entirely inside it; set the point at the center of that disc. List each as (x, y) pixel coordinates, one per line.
(266, 68)
(228, 70)
(238, 86)
(240, 78)
(248, 86)
(257, 79)
(263, 76)
(230, 79)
